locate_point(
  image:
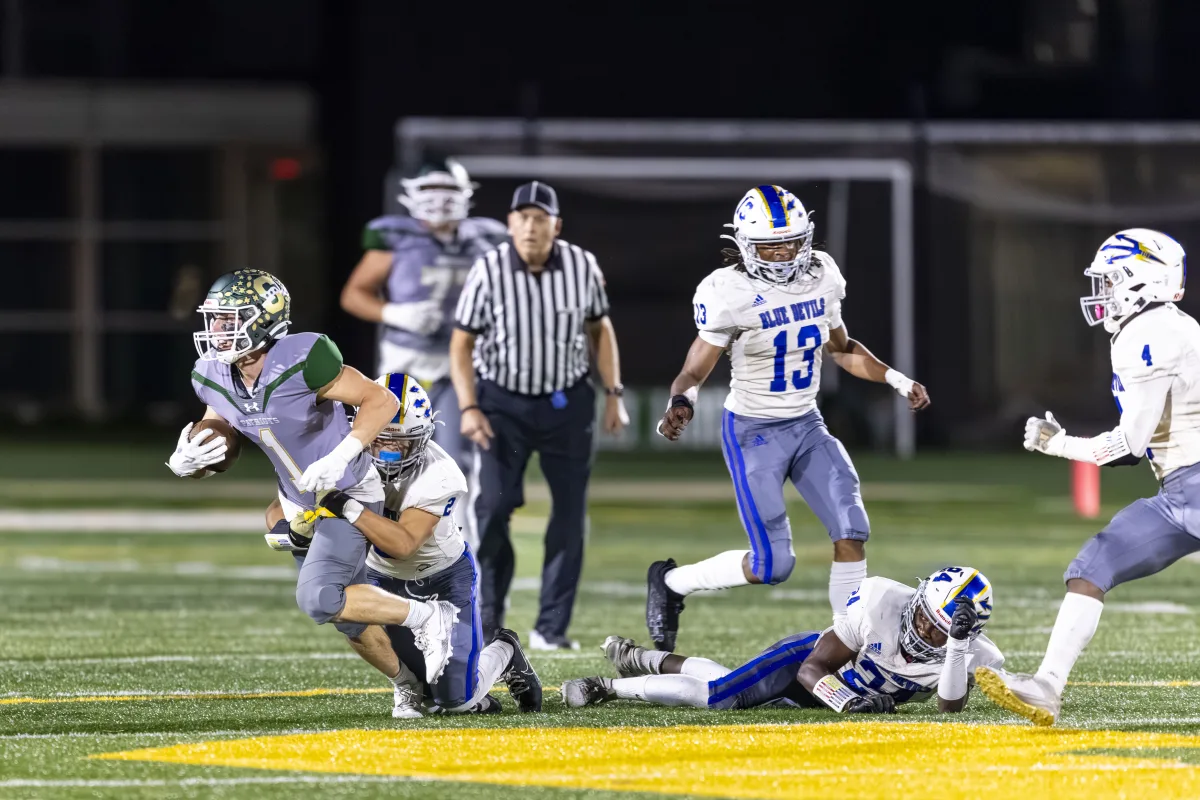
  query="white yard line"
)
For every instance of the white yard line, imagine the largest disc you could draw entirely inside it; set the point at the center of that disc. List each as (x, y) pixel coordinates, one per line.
(21, 783)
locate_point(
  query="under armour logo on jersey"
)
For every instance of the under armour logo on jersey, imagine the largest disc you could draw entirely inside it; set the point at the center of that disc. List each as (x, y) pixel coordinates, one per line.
(758, 301)
(758, 441)
(251, 407)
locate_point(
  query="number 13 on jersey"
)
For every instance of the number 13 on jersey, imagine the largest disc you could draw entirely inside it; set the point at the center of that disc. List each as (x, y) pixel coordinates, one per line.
(808, 339)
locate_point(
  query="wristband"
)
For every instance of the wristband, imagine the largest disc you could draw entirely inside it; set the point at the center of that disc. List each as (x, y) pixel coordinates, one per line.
(352, 511)
(469, 408)
(833, 693)
(681, 400)
(348, 448)
(898, 381)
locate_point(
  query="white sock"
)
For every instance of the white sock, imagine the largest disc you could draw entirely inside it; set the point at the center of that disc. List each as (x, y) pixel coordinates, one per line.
(722, 571)
(1077, 620)
(703, 669)
(419, 613)
(651, 660)
(665, 690)
(844, 578)
(493, 660)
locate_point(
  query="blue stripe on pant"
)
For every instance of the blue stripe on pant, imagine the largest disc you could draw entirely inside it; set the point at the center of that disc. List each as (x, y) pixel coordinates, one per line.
(458, 584)
(760, 544)
(769, 676)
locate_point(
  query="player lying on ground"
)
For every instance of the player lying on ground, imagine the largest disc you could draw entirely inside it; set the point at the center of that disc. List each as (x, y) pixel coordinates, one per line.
(776, 302)
(893, 645)
(418, 552)
(1136, 275)
(287, 392)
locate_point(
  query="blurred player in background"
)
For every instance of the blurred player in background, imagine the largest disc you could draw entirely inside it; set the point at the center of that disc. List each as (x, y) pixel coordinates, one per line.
(1136, 276)
(287, 392)
(775, 307)
(893, 645)
(418, 552)
(410, 277)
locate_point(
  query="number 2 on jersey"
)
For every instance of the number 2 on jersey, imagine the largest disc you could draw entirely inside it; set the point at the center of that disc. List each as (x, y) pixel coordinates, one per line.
(808, 339)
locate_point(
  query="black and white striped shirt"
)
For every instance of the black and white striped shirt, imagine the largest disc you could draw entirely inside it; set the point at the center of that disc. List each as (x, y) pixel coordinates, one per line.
(530, 326)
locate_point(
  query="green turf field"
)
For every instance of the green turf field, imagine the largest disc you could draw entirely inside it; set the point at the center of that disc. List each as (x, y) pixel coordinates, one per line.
(134, 639)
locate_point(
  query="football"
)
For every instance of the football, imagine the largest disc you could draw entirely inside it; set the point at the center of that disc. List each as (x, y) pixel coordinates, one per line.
(232, 440)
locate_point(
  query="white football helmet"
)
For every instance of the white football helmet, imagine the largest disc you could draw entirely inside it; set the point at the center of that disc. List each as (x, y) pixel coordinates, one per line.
(935, 597)
(772, 216)
(439, 194)
(1132, 269)
(400, 447)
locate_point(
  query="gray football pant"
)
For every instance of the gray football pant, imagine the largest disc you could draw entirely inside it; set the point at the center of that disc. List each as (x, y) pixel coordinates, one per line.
(337, 558)
(761, 454)
(1145, 537)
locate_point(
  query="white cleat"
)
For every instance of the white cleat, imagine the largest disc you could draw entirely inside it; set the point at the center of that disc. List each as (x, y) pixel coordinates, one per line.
(433, 638)
(1020, 693)
(408, 702)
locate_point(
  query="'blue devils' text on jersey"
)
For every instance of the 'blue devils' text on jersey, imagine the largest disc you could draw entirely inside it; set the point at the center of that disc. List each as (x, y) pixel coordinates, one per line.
(424, 268)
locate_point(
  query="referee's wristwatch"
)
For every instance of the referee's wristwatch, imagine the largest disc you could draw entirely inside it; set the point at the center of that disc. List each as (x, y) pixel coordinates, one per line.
(616, 391)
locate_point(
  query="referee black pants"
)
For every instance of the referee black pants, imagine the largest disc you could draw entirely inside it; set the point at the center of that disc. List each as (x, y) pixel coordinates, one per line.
(562, 438)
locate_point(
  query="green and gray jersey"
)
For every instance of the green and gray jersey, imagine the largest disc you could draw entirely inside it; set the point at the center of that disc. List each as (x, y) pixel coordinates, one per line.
(281, 413)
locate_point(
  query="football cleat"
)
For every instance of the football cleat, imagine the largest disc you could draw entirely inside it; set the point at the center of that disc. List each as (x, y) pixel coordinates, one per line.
(407, 702)
(1027, 695)
(522, 682)
(623, 653)
(662, 606)
(550, 641)
(433, 638)
(582, 692)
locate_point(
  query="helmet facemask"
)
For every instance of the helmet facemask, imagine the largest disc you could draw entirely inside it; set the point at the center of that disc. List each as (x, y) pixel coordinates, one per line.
(913, 643)
(798, 268)
(439, 196)
(397, 453)
(226, 336)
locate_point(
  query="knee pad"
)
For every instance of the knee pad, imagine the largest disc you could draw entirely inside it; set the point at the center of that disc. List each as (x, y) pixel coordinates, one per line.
(776, 566)
(322, 602)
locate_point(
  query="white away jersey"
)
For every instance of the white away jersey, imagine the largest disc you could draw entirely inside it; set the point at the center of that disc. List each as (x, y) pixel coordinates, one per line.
(775, 336)
(439, 487)
(871, 626)
(1164, 342)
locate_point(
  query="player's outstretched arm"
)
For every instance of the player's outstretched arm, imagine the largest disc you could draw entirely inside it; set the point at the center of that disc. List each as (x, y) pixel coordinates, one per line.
(398, 538)
(361, 294)
(953, 686)
(817, 676)
(701, 358)
(852, 356)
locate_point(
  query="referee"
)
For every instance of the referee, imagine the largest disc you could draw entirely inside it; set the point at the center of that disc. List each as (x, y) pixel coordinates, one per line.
(519, 362)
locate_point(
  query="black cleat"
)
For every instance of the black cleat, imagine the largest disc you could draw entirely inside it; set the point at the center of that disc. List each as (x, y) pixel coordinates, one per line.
(662, 606)
(523, 683)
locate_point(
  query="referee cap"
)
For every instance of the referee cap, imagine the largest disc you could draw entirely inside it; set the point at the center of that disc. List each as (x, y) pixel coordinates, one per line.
(536, 193)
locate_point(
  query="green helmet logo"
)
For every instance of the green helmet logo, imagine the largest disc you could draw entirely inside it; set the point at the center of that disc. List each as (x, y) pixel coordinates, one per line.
(243, 311)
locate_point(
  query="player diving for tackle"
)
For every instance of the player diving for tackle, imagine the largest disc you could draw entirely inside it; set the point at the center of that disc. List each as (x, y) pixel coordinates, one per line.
(418, 552)
(777, 302)
(1137, 275)
(287, 393)
(893, 645)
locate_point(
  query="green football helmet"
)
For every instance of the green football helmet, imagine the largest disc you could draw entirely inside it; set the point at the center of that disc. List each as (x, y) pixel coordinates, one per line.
(244, 311)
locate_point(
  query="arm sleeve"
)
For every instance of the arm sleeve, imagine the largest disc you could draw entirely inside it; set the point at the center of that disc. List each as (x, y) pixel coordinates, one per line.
(473, 313)
(373, 239)
(713, 316)
(323, 364)
(597, 306)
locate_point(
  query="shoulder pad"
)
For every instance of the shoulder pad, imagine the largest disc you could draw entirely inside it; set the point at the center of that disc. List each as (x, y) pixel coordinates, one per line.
(483, 227)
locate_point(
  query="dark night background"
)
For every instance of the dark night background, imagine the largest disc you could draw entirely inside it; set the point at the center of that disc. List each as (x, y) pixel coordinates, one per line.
(369, 63)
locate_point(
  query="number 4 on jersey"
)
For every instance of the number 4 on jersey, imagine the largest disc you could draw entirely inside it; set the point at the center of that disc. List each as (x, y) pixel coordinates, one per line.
(1146, 356)
(808, 339)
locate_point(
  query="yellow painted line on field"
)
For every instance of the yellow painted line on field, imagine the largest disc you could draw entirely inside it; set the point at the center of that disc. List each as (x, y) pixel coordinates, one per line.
(143, 698)
(850, 761)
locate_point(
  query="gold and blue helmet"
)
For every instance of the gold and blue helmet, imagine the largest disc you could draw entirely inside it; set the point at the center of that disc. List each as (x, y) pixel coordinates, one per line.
(401, 445)
(934, 599)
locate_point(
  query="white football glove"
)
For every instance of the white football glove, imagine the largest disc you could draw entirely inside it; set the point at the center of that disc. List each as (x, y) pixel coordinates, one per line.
(423, 317)
(1045, 435)
(191, 457)
(325, 472)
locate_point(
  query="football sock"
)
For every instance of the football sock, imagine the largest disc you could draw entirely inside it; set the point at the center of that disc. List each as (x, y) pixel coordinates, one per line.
(651, 660)
(665, 690)
(418, 614)
(406, 677)
(1077, 620)
(844, 578)
(722, 571)
(703, 669)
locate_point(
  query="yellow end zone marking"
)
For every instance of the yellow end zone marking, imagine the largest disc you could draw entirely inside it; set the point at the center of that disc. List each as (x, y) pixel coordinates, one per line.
(850, 761)
(142, 698)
